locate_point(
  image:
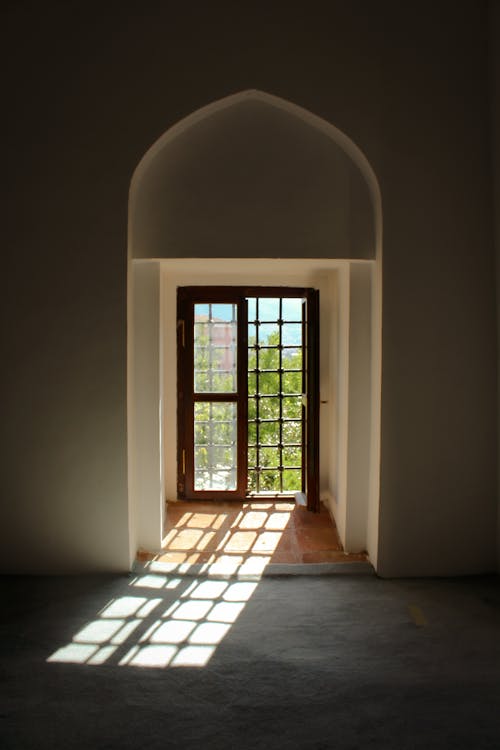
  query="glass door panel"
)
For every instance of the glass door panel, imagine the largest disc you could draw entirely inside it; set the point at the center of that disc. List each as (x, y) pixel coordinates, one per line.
(215, 348)
(215, 445)
(247, 356)
(275, 420)
(211, 377)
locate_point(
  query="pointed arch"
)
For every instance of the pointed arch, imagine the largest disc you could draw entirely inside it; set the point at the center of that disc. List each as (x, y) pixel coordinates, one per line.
(319, 123)
(153, 214)
(138, 186)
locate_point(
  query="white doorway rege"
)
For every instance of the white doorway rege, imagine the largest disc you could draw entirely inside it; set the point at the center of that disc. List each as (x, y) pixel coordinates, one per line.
(346, 365)
(254, 175)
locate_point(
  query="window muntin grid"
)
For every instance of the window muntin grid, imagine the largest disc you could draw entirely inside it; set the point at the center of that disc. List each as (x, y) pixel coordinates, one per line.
(215, 445)
(215, 348)
(275, 357)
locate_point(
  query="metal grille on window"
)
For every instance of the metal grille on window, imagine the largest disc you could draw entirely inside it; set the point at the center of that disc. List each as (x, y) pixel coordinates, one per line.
(215, 372)
(275, 359)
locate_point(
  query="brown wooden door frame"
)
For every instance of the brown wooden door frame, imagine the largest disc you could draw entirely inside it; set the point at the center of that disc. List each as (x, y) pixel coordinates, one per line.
(312, 401)
(186, 299)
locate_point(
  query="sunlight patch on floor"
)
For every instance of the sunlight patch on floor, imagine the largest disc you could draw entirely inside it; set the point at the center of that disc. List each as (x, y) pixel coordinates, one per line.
(178, 621)
(229, 538)
(154, 631)
(234, 534)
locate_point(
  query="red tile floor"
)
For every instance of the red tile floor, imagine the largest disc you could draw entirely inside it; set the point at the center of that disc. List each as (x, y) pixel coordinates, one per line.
(239, 532)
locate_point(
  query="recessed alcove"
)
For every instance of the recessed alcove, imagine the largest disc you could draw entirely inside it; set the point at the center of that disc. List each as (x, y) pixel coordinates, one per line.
(254, 189)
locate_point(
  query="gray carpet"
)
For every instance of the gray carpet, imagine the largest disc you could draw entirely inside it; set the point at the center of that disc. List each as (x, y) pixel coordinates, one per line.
(294, 662)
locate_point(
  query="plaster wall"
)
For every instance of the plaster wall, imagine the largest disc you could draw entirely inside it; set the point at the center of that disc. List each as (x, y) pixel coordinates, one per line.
(359, 400)
(339, 363)
(146, 476)
(494, 81)
(88, 90)
(353, 360)
(438, 443)
(155, 381)
(249, 178)
(255, 160)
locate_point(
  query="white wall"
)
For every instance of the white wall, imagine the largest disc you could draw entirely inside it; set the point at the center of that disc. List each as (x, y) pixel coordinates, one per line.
(249, 176)
(253, 175)
(339, 395)
(372, 521)
(353, 360)
(145, 447)
(359, 427)
(345, 411)
(494, 85)
(407, 82)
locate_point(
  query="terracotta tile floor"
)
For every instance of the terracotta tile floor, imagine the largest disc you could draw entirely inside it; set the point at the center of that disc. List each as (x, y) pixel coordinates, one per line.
(274, 532)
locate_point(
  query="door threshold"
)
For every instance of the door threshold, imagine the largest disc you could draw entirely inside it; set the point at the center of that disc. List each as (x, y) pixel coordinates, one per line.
(266, 496)
(253, 498)
(252, 570)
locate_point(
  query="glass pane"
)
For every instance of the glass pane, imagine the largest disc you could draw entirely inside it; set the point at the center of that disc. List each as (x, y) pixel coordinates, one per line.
(215, 332)
(269, 309)
(269, 334)
(201, 457)
(269, 481)
(215, 446)
(252, 359)
(292, 456)
(292, 309)
(222, 411)
(201, 382)
(292, 432)
(275, 417)
(269, 457)
(203, 311)
(292, 407)
(269, 359)
(252, 334)
(252, 433)
(201, 330)
(269, 408)
(223, 312)
(252, 408)
(269, 432)
(221, 480)
(251, 308)
(292, 480)
(292, 382)
(291, 334)
(292, 359)
(269, 382)
(252, 481)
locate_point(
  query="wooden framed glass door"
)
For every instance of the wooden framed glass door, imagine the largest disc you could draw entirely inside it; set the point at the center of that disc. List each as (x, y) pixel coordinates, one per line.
(211, 380)
(248, 393)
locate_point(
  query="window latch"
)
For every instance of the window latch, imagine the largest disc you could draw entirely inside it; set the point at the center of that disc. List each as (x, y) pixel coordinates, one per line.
(182, 328)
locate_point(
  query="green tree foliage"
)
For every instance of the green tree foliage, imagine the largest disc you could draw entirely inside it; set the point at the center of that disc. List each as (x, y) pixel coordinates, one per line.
(264, 403)
(214, 423)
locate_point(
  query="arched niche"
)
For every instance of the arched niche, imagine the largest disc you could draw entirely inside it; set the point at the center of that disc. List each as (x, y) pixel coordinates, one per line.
(250, 177)
(253, 176)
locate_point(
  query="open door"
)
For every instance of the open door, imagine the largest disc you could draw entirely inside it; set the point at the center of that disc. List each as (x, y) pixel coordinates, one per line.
(248, 378)
(212, 382)
(311, 399)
